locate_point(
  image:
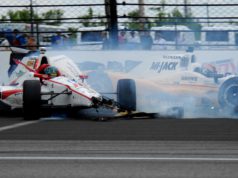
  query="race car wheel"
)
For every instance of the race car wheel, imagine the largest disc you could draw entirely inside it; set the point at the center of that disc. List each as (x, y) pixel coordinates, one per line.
(31, 99)
(126, 94)
(228, 94)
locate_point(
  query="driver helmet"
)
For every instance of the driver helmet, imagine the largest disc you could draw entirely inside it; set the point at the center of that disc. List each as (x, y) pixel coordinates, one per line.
(51, 71)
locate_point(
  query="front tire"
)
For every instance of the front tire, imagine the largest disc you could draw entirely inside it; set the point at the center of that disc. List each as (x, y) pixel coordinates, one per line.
(31, 99)
(126, 94)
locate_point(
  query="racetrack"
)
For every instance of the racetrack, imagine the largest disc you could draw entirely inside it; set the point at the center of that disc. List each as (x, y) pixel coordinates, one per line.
(122, 129)
(162, 148)
(53, 147)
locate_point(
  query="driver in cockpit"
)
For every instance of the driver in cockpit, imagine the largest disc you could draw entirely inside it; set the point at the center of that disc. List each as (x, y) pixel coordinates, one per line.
(206, 69)
(48, 71)
(209, 70)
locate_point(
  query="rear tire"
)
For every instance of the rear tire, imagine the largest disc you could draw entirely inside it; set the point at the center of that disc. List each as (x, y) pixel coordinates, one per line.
(126, 94)
(31, 99)
(228, 94)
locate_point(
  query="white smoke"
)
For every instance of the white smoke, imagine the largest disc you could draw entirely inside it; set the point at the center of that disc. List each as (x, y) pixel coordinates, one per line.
(5, 56)
(106, 67)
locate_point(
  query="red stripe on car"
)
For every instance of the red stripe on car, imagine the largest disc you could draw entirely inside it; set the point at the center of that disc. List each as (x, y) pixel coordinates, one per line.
(8, 93)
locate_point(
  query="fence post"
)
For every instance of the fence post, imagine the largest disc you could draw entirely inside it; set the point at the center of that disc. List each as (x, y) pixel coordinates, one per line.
(111, 13)
(37, 35)
(32, 13)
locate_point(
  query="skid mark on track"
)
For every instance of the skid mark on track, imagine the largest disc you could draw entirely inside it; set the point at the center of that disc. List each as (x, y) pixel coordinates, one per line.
(21, 124)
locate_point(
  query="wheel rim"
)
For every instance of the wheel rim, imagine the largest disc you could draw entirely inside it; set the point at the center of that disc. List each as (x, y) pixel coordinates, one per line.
(231, 95)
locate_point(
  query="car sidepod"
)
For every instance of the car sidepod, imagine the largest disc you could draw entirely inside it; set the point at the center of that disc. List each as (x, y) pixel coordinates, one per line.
(69, 93)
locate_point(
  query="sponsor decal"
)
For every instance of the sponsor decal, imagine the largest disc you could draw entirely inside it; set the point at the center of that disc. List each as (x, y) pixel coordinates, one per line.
(163, 66)
(172, 57)
(189, 78)
(30, 63)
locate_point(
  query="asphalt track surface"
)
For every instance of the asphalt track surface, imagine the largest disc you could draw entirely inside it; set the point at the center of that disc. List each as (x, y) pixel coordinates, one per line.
(141, 147)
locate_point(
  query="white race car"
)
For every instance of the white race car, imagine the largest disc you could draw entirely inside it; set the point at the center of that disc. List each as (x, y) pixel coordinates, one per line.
(173, 84)
(33, 91)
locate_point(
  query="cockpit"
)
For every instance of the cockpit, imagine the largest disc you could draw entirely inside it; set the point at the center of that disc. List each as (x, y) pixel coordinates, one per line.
(207, 70)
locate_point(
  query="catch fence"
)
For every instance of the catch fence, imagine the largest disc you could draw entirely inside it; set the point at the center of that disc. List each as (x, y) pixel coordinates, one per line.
(127, 25)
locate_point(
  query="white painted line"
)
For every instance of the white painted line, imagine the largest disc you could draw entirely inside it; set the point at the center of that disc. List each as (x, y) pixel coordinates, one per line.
(21, 124)
(116, 158)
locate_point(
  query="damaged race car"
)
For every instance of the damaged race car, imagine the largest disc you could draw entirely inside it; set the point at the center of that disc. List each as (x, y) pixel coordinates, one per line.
(41, 83)
(173, 85)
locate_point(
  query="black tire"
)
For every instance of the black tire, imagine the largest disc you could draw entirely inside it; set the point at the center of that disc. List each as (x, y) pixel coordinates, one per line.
(228, 94)
(126, 94)
(31, 99)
